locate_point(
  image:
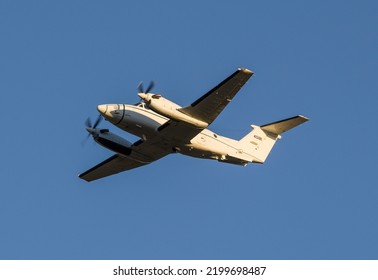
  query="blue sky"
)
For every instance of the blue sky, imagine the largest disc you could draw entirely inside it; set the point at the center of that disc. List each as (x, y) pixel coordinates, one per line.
(315, 197)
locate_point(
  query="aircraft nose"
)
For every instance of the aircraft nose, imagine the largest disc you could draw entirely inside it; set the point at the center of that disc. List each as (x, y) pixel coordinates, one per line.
(102, 109)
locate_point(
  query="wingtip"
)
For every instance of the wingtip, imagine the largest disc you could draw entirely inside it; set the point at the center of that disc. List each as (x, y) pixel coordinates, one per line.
(304, 118)
(246, 71)
(82, 177)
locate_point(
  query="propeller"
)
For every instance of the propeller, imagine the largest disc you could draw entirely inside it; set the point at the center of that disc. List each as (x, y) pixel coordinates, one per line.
(90, 127)
(144, 96)
(88, 122)
(149, 88)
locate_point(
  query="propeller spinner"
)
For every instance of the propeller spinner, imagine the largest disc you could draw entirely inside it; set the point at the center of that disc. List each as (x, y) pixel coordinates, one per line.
(144, 95)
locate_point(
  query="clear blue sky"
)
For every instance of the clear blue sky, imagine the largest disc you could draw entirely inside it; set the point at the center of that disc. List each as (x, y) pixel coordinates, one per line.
(315, 197)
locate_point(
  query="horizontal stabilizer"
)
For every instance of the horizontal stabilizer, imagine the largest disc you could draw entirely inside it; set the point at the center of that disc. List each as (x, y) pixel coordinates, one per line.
(284, 125)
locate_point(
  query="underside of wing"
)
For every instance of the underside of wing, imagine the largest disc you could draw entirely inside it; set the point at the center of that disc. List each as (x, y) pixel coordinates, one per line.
(110, 166)
(143, 153)
(210, 105)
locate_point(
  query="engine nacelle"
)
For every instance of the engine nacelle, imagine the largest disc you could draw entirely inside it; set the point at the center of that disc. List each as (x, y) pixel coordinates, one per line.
(167, 108)
(113, 142)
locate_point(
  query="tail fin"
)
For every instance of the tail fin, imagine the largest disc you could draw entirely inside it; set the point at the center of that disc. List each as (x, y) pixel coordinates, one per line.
(260, 141)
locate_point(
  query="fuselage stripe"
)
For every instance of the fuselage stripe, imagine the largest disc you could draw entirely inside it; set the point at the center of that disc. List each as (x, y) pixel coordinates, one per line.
(123, 114)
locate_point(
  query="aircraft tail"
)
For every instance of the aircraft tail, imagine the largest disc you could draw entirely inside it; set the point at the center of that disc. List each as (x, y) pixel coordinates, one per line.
(260, 141)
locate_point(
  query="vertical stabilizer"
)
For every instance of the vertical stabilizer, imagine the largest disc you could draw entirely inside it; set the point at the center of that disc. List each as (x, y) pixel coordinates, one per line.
(260, 141)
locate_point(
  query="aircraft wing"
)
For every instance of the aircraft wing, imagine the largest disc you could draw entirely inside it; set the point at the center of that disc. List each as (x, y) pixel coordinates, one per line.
(210, 105)
(146, 152)
(110, 166)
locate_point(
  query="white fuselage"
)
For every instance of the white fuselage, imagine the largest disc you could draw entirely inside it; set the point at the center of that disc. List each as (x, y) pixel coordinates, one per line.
(144, 123)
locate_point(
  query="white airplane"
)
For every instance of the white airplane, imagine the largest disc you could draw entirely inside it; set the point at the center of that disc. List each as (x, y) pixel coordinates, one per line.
(165, 127)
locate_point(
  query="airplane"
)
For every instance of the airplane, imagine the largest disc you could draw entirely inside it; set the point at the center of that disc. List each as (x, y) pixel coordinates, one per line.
(165, 128)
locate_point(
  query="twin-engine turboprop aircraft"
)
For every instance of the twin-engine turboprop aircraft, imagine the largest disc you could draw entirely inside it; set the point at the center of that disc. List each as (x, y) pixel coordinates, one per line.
(165, 127)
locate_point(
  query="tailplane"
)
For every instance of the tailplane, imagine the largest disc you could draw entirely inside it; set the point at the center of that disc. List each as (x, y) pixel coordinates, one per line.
(260, 141)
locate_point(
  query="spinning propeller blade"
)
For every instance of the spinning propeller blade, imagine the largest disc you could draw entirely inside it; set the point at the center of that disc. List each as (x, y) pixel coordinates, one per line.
(88, 124)
(99, 118)
(149, 88)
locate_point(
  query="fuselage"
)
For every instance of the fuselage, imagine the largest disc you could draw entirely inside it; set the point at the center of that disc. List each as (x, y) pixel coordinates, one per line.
(144, 123)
